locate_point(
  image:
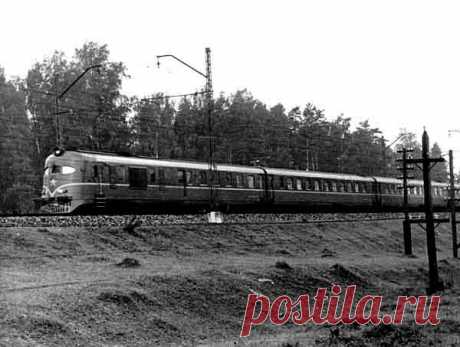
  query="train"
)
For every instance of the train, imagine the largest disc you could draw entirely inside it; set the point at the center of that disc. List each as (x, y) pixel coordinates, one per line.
(85, 182)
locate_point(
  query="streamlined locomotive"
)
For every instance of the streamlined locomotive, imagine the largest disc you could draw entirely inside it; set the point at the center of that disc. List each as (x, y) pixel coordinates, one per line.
(95, 182)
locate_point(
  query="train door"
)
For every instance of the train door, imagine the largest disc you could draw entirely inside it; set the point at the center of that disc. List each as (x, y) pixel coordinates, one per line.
(113, 177)
(101, 173)
(101, 176)
(182, 180)
(161, 179)
(269, 194)
(376, 194)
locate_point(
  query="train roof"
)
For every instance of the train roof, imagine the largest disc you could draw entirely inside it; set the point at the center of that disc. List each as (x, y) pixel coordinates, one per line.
(389, 180)
(317, 174)
(117, 159)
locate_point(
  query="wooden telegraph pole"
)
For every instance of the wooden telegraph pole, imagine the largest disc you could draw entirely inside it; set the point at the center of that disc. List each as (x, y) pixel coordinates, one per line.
(427, 164)
(406, 223)
(452, 205)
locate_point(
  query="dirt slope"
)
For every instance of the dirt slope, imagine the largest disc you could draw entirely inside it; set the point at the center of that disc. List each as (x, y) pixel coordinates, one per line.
(188, 284)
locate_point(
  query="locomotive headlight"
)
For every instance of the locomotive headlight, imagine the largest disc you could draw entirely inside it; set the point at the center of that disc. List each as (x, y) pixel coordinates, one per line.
(58, 152)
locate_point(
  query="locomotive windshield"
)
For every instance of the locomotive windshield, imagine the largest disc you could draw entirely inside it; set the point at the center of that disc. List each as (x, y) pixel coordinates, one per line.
(57, 169)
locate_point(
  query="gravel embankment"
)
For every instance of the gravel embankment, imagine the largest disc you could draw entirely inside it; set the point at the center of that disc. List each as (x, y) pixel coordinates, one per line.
(146, 220)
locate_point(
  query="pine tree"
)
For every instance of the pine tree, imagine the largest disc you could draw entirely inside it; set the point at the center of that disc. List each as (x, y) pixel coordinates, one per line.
(17, 177)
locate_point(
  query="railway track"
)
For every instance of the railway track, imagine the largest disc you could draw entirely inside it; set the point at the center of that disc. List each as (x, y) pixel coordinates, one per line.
(96, 221)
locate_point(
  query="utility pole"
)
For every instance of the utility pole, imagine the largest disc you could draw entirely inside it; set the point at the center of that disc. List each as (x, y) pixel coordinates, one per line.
(209, 95)
(406, 223)
(427, 164)
(430, 235)
(209, 106)
(452, 205)
(56, 113)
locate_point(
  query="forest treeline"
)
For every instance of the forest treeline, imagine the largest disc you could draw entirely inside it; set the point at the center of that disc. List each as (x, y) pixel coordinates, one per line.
(95, 115)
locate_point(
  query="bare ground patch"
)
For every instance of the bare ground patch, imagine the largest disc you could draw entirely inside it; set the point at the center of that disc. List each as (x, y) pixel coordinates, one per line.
(193, 281)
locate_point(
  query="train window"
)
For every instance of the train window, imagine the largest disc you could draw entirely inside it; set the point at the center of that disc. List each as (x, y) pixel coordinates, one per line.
(152, 176)
(55, 169)
(225, 179)
(386, 189)
(65, 170)
(334, 186)
(202, 178)
(306, 184)
(317, 186)
(238, 181)
(339, 186)
(259, 182)
(282, 182)
(349, 187)
(213, 177)
(229, 179)
(192, 177)
(180, 175)
(188, 176)
(356, 188)
(171, 175)
(289, 183)
(326, 186)
(276, 182)
(299, 184)
(250, 181)
(362, 188)
(161, 176)
(270, 179)
(121, 174)
(137, 177)
(112, 175)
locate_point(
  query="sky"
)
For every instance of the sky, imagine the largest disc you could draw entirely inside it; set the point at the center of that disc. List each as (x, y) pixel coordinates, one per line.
(395, 63)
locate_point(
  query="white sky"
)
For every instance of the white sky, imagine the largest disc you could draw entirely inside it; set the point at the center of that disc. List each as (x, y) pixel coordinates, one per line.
(396, 63)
